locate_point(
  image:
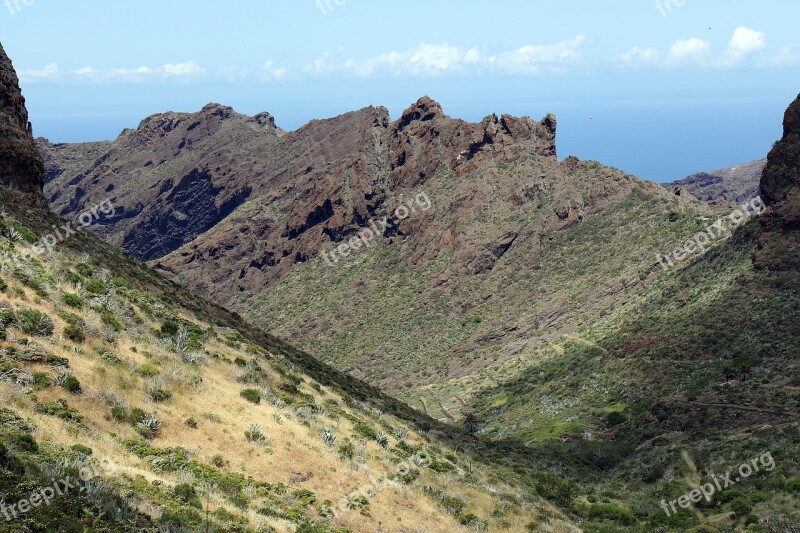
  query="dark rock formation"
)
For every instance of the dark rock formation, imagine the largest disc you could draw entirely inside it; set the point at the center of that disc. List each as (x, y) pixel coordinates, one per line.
(21, 167)
(779, 244)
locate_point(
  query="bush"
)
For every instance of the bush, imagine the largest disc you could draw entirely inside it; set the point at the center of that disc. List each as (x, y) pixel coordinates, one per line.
(614, 418)
(108, 318)
(219, 461)
(42, 380)
(157, 394)
(147, 370)
(33, 322)
(74, 333)
(59, 409)
(71, 384)
(170, 328)
(73, 300)
(185, 492)
(3, 285)
(611, 512)
(251, 395)
(793, 485)
(365, 431)
(96, 287)
(192, 423)
(742, 506)
(81, 449)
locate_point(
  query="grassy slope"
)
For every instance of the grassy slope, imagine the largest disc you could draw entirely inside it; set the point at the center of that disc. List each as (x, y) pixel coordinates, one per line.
(389, 318)
(704, 361)
(244, 484)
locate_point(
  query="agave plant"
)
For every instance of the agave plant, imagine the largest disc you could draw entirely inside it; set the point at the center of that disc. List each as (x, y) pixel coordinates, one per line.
(254, 434)
(382, 440)
(327, 436)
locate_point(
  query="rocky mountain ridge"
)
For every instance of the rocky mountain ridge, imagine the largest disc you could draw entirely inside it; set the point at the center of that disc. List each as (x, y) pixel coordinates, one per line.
(733, 185)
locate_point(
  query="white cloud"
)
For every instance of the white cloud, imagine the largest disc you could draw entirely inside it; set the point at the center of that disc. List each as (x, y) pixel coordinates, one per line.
(638, 57)
(689, 51)
(439, 59)
(187, 69)
(746, 41)
(747, 48)
(48, 73)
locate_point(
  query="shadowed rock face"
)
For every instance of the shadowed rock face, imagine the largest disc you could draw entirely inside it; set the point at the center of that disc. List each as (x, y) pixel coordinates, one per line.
(21, 167)
(779, 245)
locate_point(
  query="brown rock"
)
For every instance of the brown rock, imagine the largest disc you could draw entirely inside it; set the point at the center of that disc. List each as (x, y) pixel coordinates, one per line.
(21, 167)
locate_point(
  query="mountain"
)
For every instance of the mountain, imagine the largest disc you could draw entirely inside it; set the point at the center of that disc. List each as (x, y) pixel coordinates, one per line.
(524, 305)
(21, 167)
(780, 242)
(130, 404)
(733, 185)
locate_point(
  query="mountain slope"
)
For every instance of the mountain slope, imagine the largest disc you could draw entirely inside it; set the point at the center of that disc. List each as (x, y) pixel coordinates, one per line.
(129, 404)
(733, 185)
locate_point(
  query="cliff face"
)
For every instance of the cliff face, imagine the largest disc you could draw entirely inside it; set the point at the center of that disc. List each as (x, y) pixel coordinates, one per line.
(21, 167)
(779, 245)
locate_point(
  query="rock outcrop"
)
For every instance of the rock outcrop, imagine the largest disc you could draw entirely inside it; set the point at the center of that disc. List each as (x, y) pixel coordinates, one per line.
(21, 166)
(779, 244)
(733, 185)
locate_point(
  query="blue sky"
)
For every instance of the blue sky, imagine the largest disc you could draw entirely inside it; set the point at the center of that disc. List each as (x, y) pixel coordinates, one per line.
(659, 88)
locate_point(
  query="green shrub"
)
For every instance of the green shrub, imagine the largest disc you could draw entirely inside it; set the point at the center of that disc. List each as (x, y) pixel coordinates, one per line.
(96, 287)
(59, 409)
(136, 415)
(184, 492)
(793, 485)
(147, 370)
(219, 461)
(3, 285)
(33, 322)
(71, 384)
(614, 418)
(453, 505)
(108, 318)
(73, 300)
(85, 269)
(81, 449)
(170, 328)
(118, 413)
(74, 333)
(611, 512)
(742, 506)
(365, 431)
(42, 380)
(158, 394)
(251, 395)
(192, 423)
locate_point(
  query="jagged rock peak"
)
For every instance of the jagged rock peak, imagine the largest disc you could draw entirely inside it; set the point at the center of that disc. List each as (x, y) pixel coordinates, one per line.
(782, 173)
(423, 110)
(21, 167)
